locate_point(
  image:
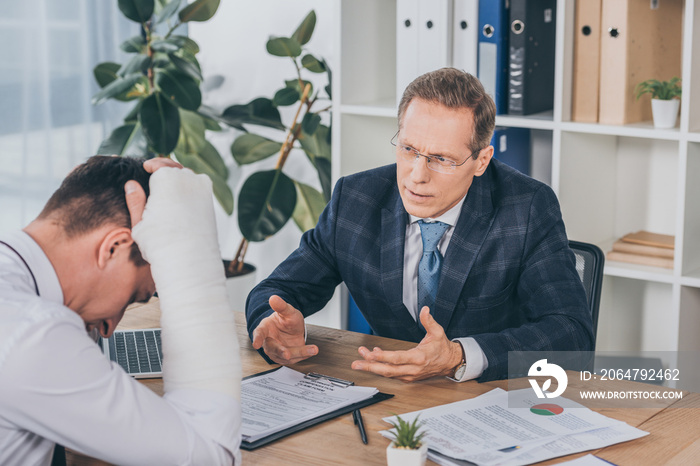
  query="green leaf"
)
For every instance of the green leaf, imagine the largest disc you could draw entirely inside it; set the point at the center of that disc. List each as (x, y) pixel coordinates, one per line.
(323, 168)
(137, 10)
(265, 203)
(310, 123)
(250, 148)
(318, 149)
(210, 123)
(137, 64)
(295, 84)
(125, 141)
(329, 86)
(198, 164)
(186, 67)
(161, 123)
(285, 96)
(105, 73)
(259, 112)
(184, 42)
(116, 87)
(165, 46)
(133, 45)
(200, 10)
(185, 55)
(211, 117)
(191, 132)
(182, 89)
(168, 11)
(133, 115)
(316, 145)
(211, 156)
(313, 64)
(283, 47)
(310, 204)
(303, 33)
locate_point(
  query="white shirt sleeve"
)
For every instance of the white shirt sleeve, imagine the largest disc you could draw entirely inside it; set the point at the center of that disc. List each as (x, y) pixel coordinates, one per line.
(475, 358)
(57, 384)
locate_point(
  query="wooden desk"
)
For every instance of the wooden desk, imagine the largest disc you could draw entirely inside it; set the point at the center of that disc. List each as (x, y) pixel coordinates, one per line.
(674, 433)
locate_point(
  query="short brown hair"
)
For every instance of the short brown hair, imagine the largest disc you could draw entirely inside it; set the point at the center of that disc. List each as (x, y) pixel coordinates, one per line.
(456, 89)
(92, 195)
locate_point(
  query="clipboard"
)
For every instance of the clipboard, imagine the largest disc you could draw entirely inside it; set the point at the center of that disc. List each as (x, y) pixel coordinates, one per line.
(245, 445)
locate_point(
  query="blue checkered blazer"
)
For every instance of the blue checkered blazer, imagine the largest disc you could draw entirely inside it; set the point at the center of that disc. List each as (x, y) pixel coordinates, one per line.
(508, 277)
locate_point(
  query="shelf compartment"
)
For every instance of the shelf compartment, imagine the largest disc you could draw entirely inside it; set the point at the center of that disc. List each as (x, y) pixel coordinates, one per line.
(636, 315)
(364, 143)
(689, 328)
(368, 51)
(691, 223)
(613, 185)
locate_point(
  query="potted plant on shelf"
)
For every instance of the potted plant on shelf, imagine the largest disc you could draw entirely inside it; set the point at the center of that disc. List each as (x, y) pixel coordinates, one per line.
(407, 448)
(163, 78)
(665, 100)
(269, 198)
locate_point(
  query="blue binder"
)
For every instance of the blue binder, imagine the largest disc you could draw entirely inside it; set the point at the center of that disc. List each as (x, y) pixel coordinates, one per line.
(493, 50)
(356, 321)
(512, 147)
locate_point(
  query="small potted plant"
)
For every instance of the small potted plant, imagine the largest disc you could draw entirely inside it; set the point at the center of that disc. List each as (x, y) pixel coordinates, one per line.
(665, 101)
(407, 448)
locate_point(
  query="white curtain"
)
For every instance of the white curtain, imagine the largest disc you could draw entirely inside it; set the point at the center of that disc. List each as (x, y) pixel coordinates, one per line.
(48, 49)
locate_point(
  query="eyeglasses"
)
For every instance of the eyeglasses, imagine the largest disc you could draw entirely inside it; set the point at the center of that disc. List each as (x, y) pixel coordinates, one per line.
(436, 163)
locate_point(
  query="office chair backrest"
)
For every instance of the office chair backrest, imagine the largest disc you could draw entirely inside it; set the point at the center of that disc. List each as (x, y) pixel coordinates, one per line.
(589, 265)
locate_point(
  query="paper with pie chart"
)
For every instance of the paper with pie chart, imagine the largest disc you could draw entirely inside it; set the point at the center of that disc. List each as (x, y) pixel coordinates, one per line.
(486, 431)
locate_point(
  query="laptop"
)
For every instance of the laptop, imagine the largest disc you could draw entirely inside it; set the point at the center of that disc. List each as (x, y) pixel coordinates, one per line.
(137, 351)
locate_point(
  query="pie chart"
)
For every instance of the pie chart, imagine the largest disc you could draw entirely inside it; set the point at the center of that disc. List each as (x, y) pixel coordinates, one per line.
(547, 409)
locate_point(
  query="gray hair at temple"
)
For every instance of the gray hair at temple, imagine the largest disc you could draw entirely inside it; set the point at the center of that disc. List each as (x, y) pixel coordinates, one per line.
(455, 89)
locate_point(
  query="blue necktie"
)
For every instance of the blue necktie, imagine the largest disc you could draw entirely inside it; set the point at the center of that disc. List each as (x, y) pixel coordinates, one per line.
(430, 263)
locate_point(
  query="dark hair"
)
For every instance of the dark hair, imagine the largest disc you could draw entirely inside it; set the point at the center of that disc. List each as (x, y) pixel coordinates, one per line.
(92, 195)
(456, 89)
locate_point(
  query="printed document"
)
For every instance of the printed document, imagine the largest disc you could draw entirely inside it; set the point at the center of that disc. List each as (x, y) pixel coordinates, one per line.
(485, 431)
(284, 398)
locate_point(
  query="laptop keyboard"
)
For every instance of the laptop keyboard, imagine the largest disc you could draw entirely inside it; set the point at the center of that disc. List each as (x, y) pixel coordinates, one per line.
(137, 351)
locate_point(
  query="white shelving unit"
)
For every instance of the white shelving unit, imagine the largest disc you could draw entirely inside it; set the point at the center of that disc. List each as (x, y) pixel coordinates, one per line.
(610, 180)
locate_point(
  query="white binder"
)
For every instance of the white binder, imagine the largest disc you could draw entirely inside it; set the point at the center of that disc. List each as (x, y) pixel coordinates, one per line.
(406, 44)
(465, 35)
(423, 39)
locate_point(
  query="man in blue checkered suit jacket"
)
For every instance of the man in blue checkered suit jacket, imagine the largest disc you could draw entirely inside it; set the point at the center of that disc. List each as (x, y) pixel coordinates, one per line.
(507, 279)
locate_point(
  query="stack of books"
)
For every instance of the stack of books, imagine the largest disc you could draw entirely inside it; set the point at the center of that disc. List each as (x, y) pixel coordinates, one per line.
(644, 248)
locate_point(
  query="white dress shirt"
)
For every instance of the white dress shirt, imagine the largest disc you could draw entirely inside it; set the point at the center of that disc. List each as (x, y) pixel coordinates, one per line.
(413, 251)
(57, 386)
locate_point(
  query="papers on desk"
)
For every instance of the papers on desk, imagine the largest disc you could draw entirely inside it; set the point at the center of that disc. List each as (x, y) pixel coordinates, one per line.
(284, 398)
(485, 431)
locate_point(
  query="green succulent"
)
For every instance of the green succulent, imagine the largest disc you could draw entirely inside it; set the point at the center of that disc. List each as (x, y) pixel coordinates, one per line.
(406, 433)
(662, 90)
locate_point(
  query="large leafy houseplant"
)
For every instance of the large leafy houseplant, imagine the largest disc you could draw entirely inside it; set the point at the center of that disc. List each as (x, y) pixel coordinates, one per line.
(269, 198)
(163, 78)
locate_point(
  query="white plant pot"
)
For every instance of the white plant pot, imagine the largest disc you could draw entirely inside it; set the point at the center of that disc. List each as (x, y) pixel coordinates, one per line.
(403, 457)
(665, 112)
(239, 287)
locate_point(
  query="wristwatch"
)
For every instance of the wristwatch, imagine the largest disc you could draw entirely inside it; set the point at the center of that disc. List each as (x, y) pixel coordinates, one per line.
(460, 369)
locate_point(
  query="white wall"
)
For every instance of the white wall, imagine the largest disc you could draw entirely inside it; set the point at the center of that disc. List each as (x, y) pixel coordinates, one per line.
(233, 45)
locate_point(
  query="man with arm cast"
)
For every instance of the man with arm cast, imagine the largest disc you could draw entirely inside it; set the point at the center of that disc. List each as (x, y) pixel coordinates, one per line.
(447, 248)
(75, 269)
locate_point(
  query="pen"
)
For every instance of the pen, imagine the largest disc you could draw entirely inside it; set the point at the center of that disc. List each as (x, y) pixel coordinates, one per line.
(357, 418)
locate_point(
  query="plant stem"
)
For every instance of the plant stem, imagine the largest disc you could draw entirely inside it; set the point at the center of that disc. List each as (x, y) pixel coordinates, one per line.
(236, 264)
(293, 133)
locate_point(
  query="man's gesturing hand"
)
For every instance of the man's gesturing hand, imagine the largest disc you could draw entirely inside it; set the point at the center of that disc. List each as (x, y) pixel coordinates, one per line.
(281, 334)
(435, 355)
